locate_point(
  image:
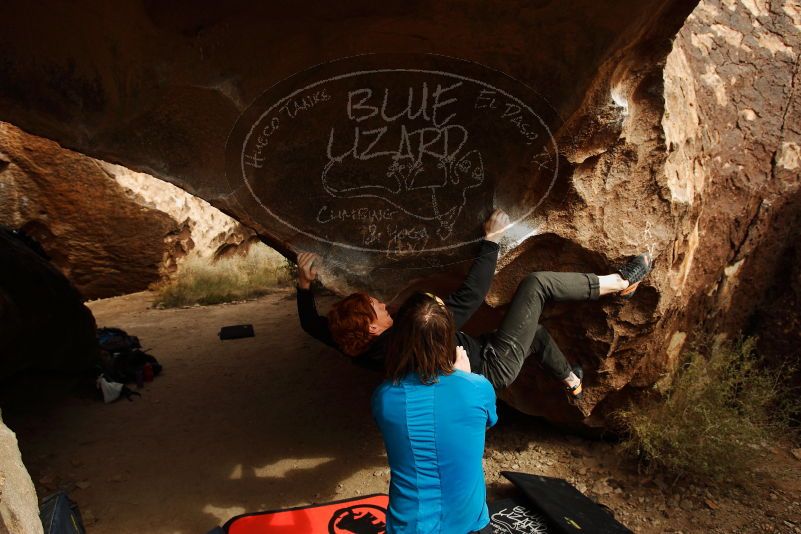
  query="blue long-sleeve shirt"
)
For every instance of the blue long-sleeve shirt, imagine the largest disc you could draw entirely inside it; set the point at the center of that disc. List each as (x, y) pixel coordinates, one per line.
(434, 436)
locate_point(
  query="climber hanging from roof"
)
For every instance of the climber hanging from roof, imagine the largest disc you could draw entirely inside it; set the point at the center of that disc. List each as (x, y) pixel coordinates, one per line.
(358, 325)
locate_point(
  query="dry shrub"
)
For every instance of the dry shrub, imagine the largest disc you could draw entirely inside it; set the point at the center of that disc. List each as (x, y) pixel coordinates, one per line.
(231, 279)
(714, 422)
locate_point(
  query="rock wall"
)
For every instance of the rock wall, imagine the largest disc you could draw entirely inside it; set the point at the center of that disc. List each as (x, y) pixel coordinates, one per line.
(19, 509)
(746, 151)
(734, 164)
(43, 322)
(604, 129)
(110, 230)
(734, 135)
(728, 187)
(102, 240)
(205, 232)
(167, 105)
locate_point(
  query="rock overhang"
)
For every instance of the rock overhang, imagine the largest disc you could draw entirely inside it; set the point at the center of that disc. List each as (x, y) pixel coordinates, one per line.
(176, 89)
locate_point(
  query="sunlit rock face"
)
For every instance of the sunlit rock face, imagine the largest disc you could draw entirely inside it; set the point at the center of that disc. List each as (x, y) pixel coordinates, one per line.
(203, 234)
(19, 510)
(381, 136)
(733, 127)
(110, 230)
(101, 239)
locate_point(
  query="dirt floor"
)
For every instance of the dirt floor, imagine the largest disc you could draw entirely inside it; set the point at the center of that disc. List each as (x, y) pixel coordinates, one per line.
(278, 420)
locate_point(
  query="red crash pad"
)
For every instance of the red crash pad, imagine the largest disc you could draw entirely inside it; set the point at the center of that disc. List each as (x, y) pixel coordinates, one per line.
(362, 515)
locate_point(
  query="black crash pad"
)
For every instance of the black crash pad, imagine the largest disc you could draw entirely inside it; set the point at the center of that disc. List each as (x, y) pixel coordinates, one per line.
(565, 508)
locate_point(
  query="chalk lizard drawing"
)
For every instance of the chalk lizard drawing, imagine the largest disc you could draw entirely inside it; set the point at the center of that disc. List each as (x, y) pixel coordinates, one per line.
(400, 184)
(434, 190)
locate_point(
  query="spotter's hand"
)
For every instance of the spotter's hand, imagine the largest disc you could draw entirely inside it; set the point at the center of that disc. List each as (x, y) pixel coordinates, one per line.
(462, 362)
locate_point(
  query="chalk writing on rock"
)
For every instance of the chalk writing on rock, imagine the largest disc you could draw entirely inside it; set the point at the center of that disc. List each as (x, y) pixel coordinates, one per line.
(395, 154)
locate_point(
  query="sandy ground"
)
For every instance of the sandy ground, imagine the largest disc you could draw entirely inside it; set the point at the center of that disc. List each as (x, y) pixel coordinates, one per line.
(278, 420)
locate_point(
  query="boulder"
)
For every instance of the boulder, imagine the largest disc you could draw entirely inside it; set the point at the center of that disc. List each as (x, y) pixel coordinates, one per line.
(102, 240)
(204, 231)
(109, 229)
(730, 128)
(43, 322)
(381, 136)
(19, 508)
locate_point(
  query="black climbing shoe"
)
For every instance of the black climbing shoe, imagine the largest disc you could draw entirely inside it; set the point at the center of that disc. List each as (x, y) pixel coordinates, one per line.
(634, 272)
(577, 393)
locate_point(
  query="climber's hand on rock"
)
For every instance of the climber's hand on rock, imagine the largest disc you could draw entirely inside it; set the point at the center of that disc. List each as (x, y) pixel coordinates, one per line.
(496, 225)
(307, 270)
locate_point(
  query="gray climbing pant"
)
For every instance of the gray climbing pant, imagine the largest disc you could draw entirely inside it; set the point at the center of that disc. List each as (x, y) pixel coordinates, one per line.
(520, 334)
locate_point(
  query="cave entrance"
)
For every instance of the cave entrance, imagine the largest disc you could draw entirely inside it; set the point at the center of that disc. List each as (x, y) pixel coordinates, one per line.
(216, 433)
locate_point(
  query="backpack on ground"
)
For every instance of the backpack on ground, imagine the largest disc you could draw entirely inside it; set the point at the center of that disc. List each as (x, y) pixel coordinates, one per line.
(116, 340)
(122, 358)
(60, 515)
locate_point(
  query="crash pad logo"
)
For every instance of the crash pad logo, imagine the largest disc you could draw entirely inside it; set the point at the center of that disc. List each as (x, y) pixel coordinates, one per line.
(518, 520)
(392, 153)
(359, 519)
